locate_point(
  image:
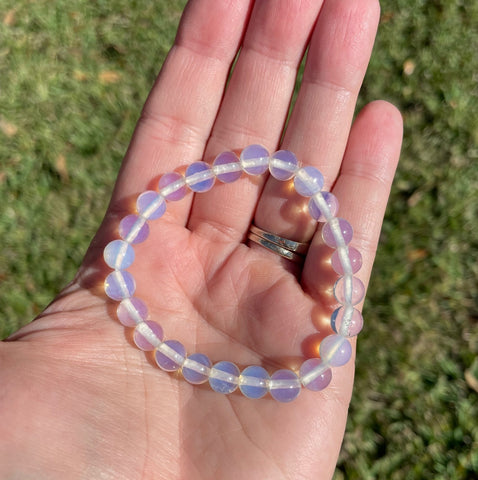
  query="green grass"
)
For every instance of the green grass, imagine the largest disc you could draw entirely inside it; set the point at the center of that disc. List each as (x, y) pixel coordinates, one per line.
(73, 77)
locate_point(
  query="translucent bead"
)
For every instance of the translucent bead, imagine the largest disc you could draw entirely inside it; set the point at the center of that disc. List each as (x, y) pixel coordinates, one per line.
(340, 256)
(118, 254)
(119, 285)
(308, 181)
(148, 335)
(283, 165)
(132, 311)
(346, 321)
(196, 368)
(224, 377)
(133, 229)
(199, 177)
(254, 159)
(151, 205)
(335, 350)
(323, 206)
(337, 232)
(226, 167)
(315, 374)
(349, 290)
(170, 355)
(172, 186)
(284, 385)
(254, 382)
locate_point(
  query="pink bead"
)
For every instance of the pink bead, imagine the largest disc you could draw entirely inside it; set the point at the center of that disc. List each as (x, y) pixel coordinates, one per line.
(132, 311)
(172, 186)
(344, 229)
(315, 375)
(349, 290)
(355, 258)
(133, 229)
(335, 350)
(352, 327)
(148, 335)
(316, 208)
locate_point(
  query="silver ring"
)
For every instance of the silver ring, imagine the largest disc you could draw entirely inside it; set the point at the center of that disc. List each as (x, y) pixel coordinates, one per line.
(294, 251)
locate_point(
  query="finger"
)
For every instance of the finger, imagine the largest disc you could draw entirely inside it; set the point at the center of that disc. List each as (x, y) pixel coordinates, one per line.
(182, 106)
(255, 108)
(320, 123)
(362, 188)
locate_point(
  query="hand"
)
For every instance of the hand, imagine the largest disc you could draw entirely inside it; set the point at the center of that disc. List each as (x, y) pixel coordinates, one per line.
(78, 399)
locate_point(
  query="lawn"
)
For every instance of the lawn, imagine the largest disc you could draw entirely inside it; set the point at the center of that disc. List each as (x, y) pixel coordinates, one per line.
(73, 77)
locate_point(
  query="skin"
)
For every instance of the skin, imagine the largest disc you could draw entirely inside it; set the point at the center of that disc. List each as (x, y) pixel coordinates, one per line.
(78, 400)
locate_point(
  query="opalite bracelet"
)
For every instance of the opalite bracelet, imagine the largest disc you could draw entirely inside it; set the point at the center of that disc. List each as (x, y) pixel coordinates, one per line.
(225, 377)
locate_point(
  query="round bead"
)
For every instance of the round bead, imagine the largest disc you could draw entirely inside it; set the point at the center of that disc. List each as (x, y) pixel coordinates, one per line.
(335, 350)
(284, 385)
(227, 168)
(199, 177)
(349, 290)
(254, 382)
(315, 375)
(283, 165)
(196, 368)
(170, 355)
(132, 311)
(119, 285)
(254, 159)
(172, 186)
(337, 232)
(224, 377)
(308, 181)
(355, 260)
(151, 205)
(323, 206)
(352, 325)
(133, 229)
(118, 254)
(148, 335)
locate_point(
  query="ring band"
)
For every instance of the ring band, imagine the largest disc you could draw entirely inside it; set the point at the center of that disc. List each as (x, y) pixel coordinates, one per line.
(299, 248)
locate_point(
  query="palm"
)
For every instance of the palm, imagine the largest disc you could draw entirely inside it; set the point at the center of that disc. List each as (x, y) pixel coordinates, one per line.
(202, 283)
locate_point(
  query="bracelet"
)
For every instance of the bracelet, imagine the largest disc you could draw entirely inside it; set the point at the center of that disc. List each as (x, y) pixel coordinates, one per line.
(225, 377)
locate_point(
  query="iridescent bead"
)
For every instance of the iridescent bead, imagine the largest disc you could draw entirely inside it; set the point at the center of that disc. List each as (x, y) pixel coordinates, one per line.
(118, 254)
(308, 181)
(151, 205)
(254, 382)
(346, 321)
(226, 167)
(119, 285)
(148, 335)
(284, 385)
(283, 165)
(349, 290)
(315, 374)
(254, 159)
(340, 256)
(133, 229)
(172, 186)
(132, 311)
(224, 377)
(196, 368)
(323, 206)
(335, 350)
(199, 177)
(170, 355)
(337, 232)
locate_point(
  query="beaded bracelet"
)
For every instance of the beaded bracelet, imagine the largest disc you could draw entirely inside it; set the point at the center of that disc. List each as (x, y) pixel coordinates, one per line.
(225, 377)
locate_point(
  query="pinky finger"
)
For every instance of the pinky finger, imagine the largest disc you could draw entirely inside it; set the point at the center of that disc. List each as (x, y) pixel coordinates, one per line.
(362, 188)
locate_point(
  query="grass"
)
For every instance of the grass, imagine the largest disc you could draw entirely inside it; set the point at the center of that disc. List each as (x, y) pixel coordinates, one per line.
(73, 78)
